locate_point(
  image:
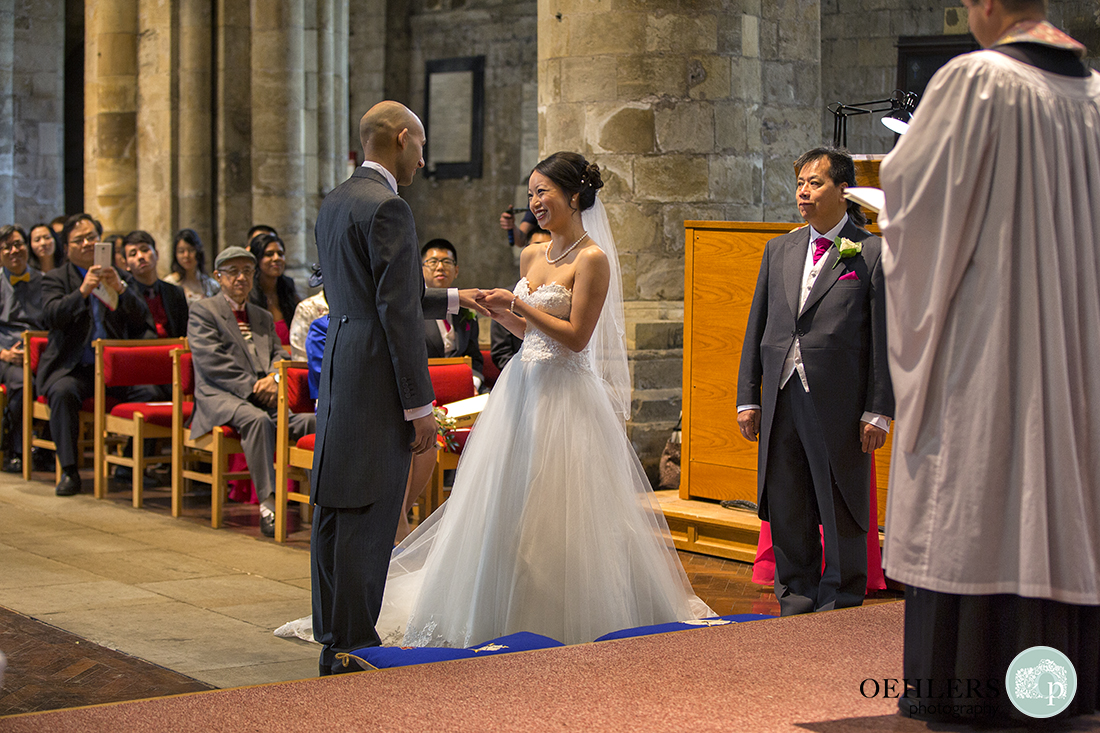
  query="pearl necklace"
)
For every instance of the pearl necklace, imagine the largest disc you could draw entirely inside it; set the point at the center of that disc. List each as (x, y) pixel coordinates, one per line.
(569, 249)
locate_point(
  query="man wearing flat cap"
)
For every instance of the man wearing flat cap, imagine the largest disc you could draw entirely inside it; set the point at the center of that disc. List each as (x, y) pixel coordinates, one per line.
(234, 348)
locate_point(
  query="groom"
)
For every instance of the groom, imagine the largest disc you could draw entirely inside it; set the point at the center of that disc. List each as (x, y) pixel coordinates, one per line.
(375, 397)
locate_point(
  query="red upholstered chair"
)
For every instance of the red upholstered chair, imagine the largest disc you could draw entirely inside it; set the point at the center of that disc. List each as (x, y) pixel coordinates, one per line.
(489, 369)
(36, 408)
(291, 461)
(121, 363)
(213, 448)
(452, 380)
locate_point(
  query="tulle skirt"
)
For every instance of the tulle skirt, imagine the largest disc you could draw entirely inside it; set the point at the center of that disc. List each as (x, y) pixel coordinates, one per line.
(551, 527)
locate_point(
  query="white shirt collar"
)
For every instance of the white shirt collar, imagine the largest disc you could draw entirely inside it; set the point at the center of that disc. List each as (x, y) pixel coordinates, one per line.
(385, 173)
(234, 304)
(832, 233)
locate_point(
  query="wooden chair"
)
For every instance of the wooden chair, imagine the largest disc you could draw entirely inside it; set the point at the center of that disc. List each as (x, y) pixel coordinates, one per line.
(122, 363)
(35, 407)
(452, 380)
(291, 461)
(214, 448)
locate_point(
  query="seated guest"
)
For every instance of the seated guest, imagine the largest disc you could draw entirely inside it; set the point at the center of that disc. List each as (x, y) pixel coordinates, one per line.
(503, 343)
(75, 317)
(46, 250)
(20, 310)
(234, 349)
(272, 289)
(166, 302)
(315, 352)
(257, 230)
(308, 311)
(457, 334)
(58, 224)
(189, 267)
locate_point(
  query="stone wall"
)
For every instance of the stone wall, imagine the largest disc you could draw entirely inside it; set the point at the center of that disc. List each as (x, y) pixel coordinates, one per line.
(31, 75)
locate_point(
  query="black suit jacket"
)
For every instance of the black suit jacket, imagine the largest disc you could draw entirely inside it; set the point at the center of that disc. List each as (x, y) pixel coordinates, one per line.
(466, 341)
(842, 338)
(68, 316)
(375, 364)
(175, 307)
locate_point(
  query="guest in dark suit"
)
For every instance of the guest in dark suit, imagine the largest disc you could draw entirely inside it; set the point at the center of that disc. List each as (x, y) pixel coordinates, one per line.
(166, 302)
(234, 348)
(75, 318)
(456, 334)
(814, 387)
(20, 310)
(375, 400)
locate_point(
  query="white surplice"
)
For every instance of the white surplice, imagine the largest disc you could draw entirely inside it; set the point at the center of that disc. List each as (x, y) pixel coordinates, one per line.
(992, 262)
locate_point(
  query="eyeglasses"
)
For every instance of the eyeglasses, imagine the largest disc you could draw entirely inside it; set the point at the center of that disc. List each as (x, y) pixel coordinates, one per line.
(12, 244)
(86, 239)
(234, 272)
(435, 262)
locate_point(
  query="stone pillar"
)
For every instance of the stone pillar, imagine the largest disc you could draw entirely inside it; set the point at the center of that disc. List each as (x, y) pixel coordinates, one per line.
(693, 111)
(233, 125)
(38, 110)
(194, 152)
(157, 95)
(110, 103)
(278, 120)
(7, 111)
(367, 66)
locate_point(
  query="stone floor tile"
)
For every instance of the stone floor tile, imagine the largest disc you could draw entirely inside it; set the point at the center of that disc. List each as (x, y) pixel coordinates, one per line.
(227, 590)
(82, 541)
(270, 614)
(148, 566)
(22, 569)
(87, 596)
(259, 674)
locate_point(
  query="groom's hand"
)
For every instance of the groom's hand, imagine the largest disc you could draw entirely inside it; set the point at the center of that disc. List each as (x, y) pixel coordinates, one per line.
(425, 430)
(471, 298)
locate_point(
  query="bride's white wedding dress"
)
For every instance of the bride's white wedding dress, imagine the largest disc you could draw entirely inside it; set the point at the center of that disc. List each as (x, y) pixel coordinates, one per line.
(551, 526)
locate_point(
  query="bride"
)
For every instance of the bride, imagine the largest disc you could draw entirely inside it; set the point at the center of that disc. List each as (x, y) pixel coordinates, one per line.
(551, 526)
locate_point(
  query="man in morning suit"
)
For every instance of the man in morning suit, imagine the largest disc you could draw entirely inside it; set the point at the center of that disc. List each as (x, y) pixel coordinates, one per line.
(20, 310)
(814, 388)
(374, 406)
(456, 334)
(234, 348)
(166, 302)
(75, 317)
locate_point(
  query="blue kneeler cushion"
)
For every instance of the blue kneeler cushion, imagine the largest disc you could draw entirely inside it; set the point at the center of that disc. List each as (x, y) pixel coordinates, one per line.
(385, 657)
(682, 625)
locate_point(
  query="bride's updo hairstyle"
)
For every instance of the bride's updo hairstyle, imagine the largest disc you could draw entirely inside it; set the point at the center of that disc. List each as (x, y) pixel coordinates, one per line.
(573, 174)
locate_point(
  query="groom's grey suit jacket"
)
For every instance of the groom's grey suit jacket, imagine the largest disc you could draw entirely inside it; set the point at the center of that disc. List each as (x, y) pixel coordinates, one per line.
(375, 364)
(842, 336)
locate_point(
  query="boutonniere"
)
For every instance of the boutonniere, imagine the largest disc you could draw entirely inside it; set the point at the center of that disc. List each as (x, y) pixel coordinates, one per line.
(845, 248)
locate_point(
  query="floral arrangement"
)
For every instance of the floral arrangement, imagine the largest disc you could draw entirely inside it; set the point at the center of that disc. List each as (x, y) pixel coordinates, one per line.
(445, 426)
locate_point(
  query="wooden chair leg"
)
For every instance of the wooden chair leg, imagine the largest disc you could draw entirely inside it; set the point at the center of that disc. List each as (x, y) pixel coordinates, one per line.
(218, 486)
(138, 453)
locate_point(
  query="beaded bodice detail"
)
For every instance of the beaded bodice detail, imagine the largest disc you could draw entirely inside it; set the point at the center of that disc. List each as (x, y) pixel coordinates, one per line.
(557, 300)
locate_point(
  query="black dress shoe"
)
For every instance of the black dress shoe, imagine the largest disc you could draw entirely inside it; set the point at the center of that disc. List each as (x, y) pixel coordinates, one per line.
(13, 465)
(267, 525)
(70, 485)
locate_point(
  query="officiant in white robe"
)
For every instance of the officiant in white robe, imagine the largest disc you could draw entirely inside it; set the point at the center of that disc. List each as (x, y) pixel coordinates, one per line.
(992, 262)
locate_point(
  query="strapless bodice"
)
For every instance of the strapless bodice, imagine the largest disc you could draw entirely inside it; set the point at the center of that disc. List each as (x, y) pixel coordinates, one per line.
(556, 300)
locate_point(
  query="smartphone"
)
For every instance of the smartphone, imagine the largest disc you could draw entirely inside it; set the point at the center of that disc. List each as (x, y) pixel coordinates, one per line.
(104, 254)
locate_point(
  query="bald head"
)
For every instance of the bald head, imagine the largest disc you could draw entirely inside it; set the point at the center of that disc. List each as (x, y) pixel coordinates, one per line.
(382, 124)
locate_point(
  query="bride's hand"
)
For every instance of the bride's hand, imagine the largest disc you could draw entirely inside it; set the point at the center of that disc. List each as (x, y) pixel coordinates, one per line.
(498, 301)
